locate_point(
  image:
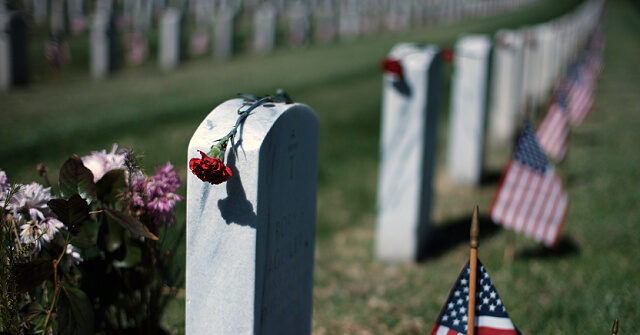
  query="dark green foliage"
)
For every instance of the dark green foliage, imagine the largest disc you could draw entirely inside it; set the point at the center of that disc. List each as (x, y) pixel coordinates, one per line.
(75, 178)
(75, 312)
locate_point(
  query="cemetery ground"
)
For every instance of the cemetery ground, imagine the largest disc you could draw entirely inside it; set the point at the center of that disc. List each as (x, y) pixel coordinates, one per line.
(581, 287)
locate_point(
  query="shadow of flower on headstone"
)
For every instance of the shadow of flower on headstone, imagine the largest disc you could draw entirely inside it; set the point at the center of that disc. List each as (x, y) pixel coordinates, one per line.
(402, 87)
(235, 208)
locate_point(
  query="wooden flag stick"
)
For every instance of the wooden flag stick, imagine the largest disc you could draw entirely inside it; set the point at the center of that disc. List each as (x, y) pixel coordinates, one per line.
(473, 266)
(614, 330)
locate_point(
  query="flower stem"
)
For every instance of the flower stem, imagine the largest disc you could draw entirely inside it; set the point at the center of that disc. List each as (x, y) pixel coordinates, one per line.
(56, 284)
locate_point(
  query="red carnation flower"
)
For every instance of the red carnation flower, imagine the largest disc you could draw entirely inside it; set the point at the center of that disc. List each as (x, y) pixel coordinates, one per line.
(392, 66)
(209, 169)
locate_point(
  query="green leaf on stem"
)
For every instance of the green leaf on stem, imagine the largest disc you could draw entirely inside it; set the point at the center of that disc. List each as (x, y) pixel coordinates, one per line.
(31, 274)
(111, 186)
(76, 178)
(130, 223)
(75, 312)
(72, 212)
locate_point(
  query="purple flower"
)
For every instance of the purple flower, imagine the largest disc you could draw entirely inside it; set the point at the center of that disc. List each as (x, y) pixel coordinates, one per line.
(153, 196)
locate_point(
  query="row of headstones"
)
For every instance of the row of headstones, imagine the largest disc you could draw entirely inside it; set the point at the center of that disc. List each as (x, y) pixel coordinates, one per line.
(521, 66)
(326, 20)
(250, 241)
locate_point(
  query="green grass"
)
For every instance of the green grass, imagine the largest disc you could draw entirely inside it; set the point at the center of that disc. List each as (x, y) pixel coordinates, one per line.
(579, 289)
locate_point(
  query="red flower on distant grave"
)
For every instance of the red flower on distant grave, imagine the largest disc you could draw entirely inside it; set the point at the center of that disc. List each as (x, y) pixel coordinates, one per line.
(392, 66)
(447, 55)
(209, 169)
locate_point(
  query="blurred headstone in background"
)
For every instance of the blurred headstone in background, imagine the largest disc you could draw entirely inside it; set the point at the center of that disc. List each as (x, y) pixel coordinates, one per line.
(103, 40)
(250, 240)
(77, 17)
(324, 22)
(507, 104)
(40, 11)
(170, 31)
(16, 33)
(469, 89)
(410, 106)
(223, 33)
(264, 28)
(5, 50)
(57, 17)
(298, 29)
(349, 20)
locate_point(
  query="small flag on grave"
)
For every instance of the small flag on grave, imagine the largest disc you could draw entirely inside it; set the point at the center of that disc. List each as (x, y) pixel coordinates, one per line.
(554, 130)
(580, 96)
(490, 315)
(530, 198)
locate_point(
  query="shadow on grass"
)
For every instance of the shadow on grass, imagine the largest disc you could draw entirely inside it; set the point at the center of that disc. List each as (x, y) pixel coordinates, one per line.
(450, 234)
(566, 247)
(490, 177)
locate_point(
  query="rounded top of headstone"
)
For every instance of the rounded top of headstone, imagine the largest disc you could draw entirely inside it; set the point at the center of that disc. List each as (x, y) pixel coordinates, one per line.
(251, 132)
(509, 38)
(474, 46)
(413, 55)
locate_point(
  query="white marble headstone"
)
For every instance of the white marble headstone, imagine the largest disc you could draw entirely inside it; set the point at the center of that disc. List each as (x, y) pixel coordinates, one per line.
(250, 241)
(100, 44)
(407, 155)
(223, 33)
(264, 28)
(506, 98)
(5, 53)
(298, 28)
(469, 89)
(169, 53)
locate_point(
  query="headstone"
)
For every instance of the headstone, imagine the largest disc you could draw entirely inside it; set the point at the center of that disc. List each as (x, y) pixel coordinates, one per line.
(170, 39)
(223, 33)
(40, 10)
(298, 28)
(506, 91)
(102, 43)
(17, 37)
(532, 68)
(250, 241)
(77, 18)
(469, 89)
(264, 28)
(408, 145)
(349, 20)
(5, 52)
(546, 36)
(325, 22)
(57, 17)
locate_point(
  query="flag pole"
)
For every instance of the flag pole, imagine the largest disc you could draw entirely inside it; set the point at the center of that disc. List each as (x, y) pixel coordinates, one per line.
(473, 265)
(614, 330)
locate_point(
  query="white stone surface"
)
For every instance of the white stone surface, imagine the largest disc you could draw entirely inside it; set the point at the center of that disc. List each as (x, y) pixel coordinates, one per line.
(169, 55)
(507, 104)
(407, 159)
(250, 241)
(468, 109)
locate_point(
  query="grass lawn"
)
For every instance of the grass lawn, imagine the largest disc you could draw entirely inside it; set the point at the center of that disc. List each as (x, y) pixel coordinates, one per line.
(579, 288)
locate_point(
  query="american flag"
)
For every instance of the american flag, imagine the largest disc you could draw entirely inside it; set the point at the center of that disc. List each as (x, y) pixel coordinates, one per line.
(580, 95)
(530, 198)
(491, 315)
(553, 131)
